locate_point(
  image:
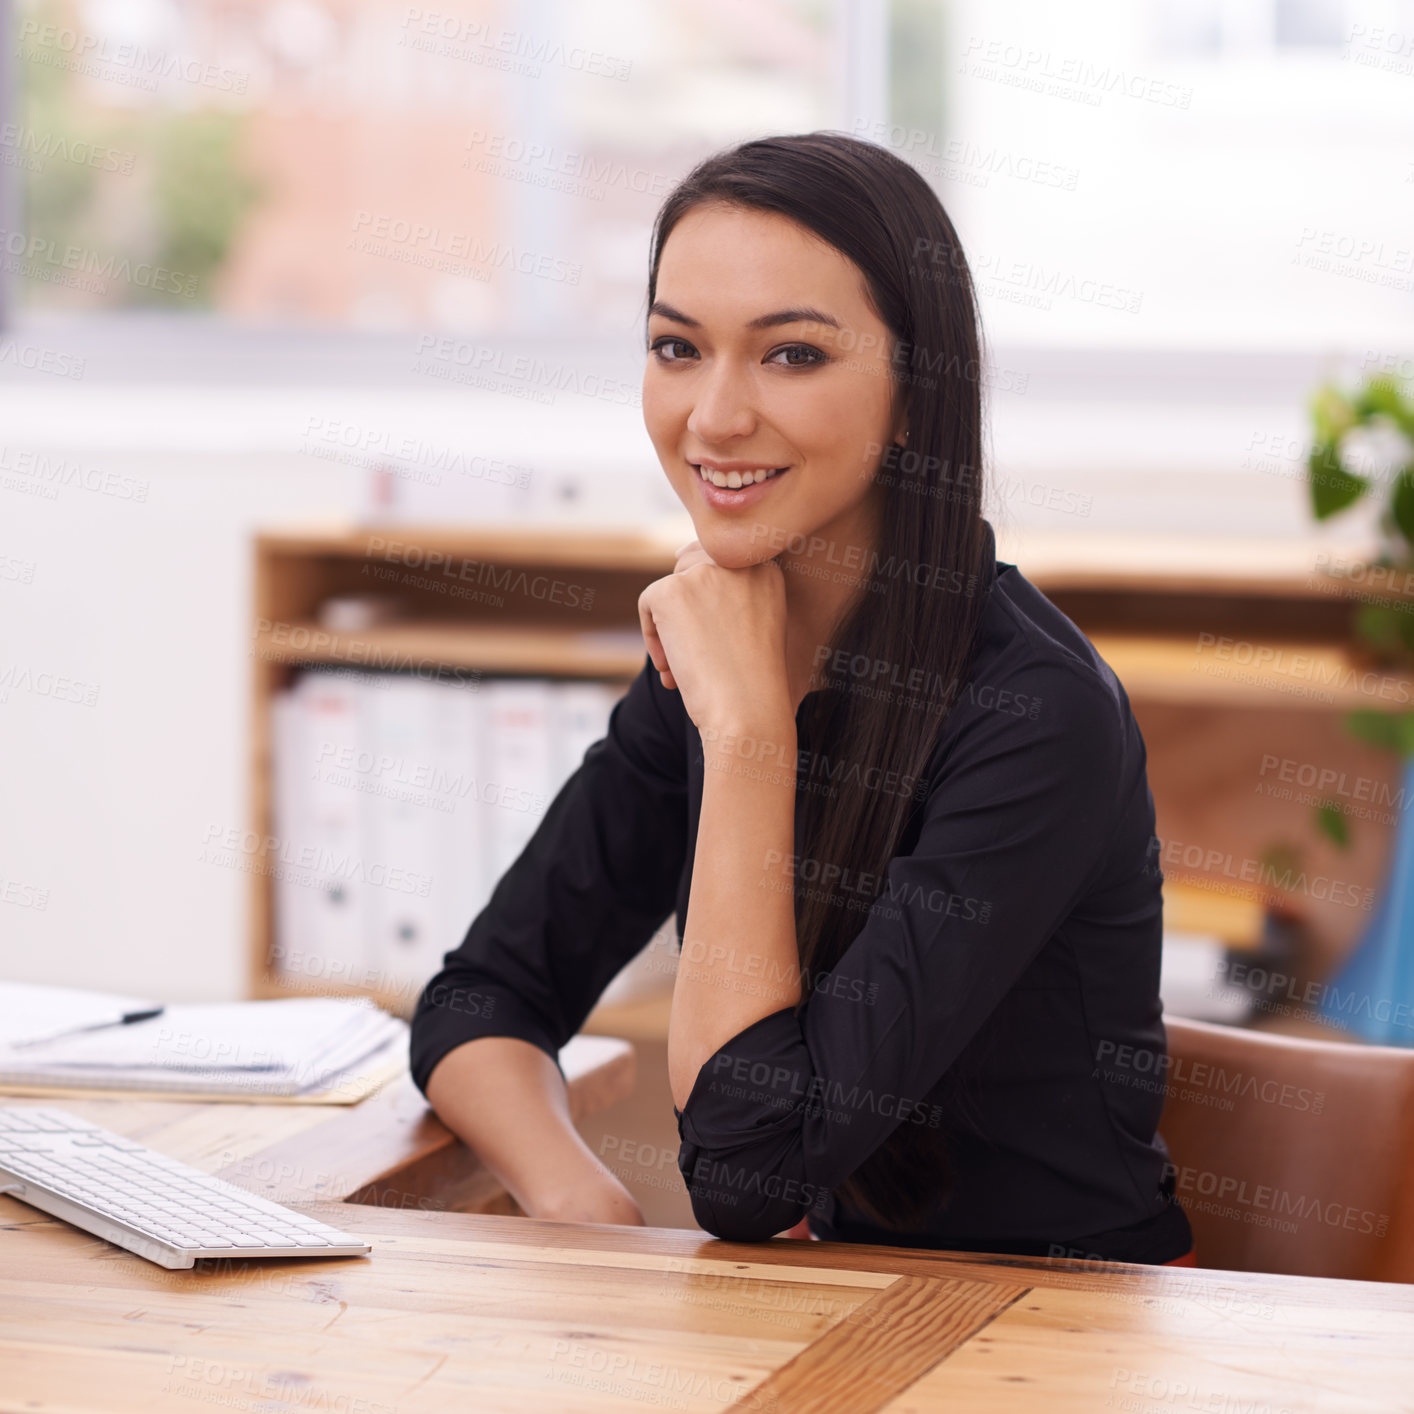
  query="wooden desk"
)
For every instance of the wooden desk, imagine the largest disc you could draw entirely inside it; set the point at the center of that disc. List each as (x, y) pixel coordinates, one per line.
(480, 1312)
(468, 1312)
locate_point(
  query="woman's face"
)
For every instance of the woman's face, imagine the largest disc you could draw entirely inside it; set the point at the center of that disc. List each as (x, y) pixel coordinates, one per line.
(765, 357)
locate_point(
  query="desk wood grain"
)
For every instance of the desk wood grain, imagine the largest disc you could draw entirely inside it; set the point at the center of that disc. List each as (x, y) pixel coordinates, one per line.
(478, 1312)
(473, 1311)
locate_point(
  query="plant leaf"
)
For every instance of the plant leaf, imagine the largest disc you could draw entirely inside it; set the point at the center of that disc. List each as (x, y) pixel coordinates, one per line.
(1383, 397)
(1331, 821)
(1402, 502)
(1333, 488)
(1332, 413)
(1388, 731)
(1379, 626)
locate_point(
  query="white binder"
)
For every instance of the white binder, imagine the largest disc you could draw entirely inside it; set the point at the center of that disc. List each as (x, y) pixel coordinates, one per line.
(518, 775)
(405, 821)
(294, 943)
(338, 872)
(464, 878)
(581, 718)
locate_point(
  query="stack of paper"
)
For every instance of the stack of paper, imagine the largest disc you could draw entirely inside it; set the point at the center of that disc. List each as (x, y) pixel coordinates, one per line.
(240, 1050)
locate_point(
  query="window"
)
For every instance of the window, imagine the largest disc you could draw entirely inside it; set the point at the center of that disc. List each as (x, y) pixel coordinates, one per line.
(1220, 174)
(368, 165)
(1213, 27)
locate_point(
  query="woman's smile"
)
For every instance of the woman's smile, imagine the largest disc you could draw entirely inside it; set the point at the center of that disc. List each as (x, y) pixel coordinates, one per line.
(729, 486)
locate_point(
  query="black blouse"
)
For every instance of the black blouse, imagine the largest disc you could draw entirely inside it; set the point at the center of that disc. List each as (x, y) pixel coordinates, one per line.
(1010, 956)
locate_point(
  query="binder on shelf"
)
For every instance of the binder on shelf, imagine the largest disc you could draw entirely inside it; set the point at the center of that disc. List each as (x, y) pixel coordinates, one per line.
(521, 762)
(465, 878)
(293, 898)
(411, 798)
(331, 729)
(402, 795)
(581, 718)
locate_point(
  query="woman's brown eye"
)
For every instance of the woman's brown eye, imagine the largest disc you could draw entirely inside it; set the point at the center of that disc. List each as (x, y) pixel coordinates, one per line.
(660, 347)
(811, 355)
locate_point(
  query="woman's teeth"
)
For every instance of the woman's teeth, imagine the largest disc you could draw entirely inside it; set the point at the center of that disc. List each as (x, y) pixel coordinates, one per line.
(735, 480)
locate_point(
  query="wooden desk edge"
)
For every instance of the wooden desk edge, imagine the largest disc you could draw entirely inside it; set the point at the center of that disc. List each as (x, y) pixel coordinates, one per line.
(680, 1243)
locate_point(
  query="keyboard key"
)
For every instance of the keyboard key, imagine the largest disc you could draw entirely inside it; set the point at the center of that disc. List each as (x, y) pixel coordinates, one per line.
(48, 1124)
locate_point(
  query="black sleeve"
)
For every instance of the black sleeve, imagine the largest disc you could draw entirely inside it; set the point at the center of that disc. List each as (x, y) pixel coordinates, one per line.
(1015, 824)
(593, 884)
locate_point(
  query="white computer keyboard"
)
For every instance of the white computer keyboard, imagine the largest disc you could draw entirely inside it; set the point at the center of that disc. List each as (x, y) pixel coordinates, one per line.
(157, 1207)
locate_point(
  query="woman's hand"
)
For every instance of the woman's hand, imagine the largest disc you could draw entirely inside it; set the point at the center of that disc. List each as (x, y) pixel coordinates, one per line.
(719, 637)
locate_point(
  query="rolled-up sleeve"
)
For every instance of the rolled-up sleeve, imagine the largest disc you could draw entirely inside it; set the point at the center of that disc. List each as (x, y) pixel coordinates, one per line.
(1016, 819)
(592, 885)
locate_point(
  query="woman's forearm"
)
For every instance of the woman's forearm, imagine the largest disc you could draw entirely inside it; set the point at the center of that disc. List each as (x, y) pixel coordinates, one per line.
(739, 957)
(507, 1101)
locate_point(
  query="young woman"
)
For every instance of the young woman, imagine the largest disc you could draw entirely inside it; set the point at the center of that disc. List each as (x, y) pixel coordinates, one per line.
(895, 797)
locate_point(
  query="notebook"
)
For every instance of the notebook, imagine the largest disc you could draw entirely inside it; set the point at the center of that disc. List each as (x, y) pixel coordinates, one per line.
(314, 1049)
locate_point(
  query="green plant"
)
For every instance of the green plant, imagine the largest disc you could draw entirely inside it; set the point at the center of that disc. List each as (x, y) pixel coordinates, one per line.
(1386, 626)
(179, 202)
(200, 195)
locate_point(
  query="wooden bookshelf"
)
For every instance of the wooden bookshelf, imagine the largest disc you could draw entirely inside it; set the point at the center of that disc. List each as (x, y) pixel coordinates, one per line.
(471, 601)
(1279, 673)
(557, 602)
(485, 647)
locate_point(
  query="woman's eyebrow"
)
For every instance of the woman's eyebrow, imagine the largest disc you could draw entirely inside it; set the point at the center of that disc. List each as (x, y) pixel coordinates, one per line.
(800, 315)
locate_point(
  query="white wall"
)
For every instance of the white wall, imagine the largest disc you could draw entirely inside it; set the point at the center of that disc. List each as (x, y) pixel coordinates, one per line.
(106, 805)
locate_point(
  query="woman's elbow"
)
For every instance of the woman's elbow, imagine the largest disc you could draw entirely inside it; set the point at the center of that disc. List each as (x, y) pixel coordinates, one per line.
(745, 1196)
(734, 1217)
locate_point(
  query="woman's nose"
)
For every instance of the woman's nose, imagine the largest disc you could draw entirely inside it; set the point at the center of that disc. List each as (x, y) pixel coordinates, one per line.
(723, 407)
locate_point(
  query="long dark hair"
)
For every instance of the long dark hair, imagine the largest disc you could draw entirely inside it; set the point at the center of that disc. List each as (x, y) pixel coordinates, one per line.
(877, 210)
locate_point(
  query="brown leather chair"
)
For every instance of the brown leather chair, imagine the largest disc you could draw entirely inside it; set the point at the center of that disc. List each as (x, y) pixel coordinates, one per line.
(1292, 1155)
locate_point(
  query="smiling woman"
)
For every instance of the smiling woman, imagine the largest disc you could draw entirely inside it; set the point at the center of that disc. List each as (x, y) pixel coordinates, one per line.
(795, 325)
(896, 799)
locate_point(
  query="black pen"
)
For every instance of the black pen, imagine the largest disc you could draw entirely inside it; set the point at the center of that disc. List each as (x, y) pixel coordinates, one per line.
(94, 1026)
